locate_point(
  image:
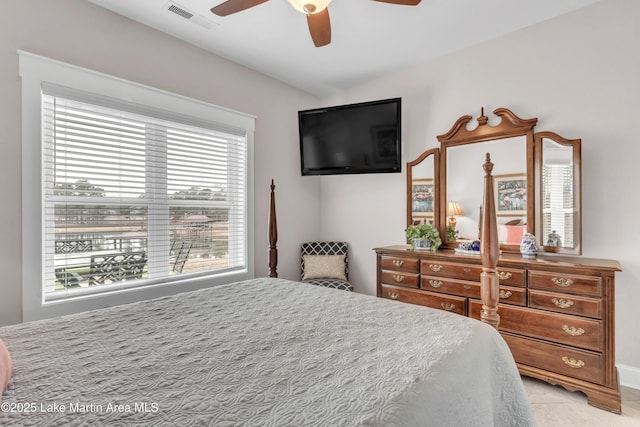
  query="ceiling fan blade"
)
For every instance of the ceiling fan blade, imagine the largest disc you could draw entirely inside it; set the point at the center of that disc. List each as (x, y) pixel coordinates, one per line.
(233, 6)
(403, 2)
(320, 27)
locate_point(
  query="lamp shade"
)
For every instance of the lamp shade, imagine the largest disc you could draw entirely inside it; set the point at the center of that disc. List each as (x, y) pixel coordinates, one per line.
(309, 7)
(454, 208)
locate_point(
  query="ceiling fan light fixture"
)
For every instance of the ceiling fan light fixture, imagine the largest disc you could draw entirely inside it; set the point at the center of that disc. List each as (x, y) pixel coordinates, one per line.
(310, 7)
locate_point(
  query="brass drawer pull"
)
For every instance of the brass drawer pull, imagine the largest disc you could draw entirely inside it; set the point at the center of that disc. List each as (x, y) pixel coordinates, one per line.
(562, 282)
(572, 330)
(435, 267)
(575, 364)
(504, 275)
(467, 287)
(435, 283)
(467, 270)
(398, 278)
(393, 295)
(562, 303)
(448, 306)
(398, 262)
(505, 294)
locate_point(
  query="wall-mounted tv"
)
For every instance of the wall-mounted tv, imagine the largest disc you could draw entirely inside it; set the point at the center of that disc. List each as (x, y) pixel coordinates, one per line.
(354, 138)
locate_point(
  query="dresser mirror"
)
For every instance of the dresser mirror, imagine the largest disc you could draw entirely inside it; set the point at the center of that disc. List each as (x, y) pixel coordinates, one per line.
(537, 184)
(465, 187)
(558, 198)
(423, 188)
(510, 143)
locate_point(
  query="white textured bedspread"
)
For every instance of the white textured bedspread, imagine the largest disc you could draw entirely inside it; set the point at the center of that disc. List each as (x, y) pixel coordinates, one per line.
(266, 352)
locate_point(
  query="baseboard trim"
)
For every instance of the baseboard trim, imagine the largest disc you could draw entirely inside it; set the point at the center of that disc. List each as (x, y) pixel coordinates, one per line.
(629, 376)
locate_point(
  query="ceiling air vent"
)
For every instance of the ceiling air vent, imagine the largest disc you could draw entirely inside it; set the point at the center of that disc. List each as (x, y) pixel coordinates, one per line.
(182, 11)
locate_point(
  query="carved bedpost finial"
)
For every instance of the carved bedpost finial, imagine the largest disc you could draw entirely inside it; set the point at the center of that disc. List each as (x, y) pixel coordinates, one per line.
(487, 166)
(273, 234)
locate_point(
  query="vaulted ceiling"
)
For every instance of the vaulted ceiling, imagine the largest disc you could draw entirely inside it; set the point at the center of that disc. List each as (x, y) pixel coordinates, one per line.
(368, 39)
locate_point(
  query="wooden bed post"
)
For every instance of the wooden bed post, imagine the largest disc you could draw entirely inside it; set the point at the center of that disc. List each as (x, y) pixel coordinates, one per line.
(489, 252)
(273, 234)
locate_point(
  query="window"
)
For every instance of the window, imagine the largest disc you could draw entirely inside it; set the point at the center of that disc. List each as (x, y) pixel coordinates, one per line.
(129, 198)
(558, 211)
(135, 194)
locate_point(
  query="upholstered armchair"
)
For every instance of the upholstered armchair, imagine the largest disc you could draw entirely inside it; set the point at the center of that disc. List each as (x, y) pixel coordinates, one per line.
(326, 264)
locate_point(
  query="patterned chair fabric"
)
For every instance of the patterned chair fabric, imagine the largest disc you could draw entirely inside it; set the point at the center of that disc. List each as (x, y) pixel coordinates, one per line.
(327, 248)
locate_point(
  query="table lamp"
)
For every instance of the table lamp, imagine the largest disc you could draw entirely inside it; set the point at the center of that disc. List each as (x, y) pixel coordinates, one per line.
(453, 209)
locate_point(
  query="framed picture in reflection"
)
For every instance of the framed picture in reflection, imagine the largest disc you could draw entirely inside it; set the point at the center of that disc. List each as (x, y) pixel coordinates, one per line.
(510, 193)
(422, 198)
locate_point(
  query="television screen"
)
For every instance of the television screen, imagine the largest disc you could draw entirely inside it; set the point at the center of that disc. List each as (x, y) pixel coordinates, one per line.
(355, 138)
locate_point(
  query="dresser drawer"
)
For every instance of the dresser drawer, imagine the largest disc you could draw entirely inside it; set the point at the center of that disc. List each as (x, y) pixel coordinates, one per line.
(560, 328)
(513, 295)
(511, 276)
(450, 286)
(449, 269)
(450, 303)
(565, 282)
(585, 365)
(564, 303)
(465, 288)
(399, 264)
(508, 276)
(401, 278)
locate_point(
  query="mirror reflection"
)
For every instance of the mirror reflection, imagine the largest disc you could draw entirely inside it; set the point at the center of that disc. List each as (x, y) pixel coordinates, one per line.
(465, 181)
(422, 188)
(422, 193)
(559, 201)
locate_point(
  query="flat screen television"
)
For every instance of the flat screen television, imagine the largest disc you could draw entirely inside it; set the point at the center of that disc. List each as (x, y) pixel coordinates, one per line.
(354, 138)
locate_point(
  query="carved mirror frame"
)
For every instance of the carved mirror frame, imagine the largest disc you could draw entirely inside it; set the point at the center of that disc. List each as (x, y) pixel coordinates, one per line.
(570, 198)
(510, 126)
(538, 147)
(435, 154)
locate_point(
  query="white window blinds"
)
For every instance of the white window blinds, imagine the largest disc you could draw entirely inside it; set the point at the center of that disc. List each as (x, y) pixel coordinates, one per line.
(557, 203)
(135, 196)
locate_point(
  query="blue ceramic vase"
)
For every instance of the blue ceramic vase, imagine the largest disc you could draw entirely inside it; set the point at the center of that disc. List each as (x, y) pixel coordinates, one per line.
(528, 247)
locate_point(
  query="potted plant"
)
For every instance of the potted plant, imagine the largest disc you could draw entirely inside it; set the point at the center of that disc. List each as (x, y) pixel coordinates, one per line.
(423, 236)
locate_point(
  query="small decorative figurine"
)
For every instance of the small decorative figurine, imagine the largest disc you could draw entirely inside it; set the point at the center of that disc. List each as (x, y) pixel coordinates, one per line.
(554, 239)
(528, 247)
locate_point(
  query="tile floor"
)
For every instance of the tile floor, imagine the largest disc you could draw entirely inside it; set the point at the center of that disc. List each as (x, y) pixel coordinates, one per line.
(553, 406)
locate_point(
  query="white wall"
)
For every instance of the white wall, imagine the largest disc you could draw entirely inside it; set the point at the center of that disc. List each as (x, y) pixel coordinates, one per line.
(579, 74)
(80, 33)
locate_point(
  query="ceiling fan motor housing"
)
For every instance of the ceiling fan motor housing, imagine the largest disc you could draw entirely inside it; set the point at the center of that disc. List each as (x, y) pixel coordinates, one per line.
(310, 7)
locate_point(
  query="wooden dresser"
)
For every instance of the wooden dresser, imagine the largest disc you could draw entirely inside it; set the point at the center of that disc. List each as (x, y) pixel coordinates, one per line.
(557, 313)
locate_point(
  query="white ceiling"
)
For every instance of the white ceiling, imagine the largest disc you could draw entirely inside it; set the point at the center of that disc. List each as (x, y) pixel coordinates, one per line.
(369, 38)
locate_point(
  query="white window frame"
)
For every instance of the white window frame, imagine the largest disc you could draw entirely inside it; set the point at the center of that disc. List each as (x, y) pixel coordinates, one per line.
(35, 70)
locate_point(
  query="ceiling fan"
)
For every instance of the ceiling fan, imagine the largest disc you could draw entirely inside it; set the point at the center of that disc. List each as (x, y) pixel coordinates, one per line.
(316, 11)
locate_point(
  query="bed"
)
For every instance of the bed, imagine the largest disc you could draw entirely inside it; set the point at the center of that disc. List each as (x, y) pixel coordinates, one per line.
(263, 352)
